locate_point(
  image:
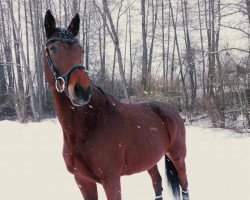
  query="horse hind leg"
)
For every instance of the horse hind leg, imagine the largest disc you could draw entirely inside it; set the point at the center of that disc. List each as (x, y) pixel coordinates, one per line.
(156, 181)
(179, 169)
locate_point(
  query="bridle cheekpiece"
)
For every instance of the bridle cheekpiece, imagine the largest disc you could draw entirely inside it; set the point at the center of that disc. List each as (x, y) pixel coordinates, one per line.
(61, 81)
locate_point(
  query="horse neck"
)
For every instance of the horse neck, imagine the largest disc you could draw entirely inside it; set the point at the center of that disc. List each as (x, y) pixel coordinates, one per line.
(70, 115)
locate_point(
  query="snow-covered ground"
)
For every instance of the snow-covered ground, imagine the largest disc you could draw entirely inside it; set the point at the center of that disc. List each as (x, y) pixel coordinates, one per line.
(32, 168)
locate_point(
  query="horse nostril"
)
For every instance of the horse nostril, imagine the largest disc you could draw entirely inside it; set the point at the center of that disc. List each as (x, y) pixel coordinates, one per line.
(78, 90)
(82, 93)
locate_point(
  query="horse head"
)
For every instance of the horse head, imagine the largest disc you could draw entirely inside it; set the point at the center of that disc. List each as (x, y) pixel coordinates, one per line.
(63, 58)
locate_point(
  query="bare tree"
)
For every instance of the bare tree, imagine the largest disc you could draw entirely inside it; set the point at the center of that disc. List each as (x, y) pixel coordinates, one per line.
(202, 52)
(20, 98)
(144, 47)
(189, 58)
(16, 29)
(116, 42)
(164, 74)
(154, 26)
(7, 52)
(248, 10)
(102, 46)
(130, 49)
(186, 99)
(3, 83)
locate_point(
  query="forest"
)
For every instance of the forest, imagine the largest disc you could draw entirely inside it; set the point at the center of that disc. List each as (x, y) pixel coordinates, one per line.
(194, 55)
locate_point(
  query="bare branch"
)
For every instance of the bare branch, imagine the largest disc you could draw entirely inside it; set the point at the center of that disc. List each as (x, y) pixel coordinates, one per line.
(230, 49)
(108, 28)
(236, 28)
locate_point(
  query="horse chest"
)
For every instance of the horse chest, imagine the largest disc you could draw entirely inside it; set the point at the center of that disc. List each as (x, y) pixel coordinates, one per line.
(75, 163)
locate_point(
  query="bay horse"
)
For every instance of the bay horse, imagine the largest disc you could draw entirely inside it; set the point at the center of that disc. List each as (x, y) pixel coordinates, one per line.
(104, 138)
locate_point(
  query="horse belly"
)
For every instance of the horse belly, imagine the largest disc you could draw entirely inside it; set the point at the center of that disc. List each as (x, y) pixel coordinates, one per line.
(142, 157)
(136, 167)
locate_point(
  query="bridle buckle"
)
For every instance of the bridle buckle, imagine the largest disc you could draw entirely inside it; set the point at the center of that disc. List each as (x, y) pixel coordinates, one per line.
(60, 84)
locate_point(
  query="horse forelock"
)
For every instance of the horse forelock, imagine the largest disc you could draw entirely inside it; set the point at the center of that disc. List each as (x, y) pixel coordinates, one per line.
(63, 33)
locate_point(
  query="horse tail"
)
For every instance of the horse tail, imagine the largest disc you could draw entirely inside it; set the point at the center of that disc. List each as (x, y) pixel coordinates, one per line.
(172, 177)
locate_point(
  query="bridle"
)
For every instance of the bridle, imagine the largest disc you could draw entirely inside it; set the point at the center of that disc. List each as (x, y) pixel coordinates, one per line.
(61, 81)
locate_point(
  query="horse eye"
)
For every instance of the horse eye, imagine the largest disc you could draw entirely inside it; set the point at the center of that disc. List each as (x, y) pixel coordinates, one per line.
(53, 49)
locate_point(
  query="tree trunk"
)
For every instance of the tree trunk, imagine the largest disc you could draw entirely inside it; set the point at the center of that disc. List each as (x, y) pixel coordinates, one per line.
(144, 47)
(104, 46)
(100, 54)
(125, 46)
(27, 33)
(84, 22)
(248, 10)
(130, 51)
(26, 70)
(102, 36)
(202, 53)
(154, 25)
(113, 69)
(75, 8)
(65, 13)
(39, 66)
(179, 58)
(168, 46)
(220, 96)
(211, 63)
(87, 41)
(3, 83)
(60, 12)
(248, 61)
(7, 53)
(190, 60)
(117, 44)
(20, 100)
(164, 74)
(114, 57)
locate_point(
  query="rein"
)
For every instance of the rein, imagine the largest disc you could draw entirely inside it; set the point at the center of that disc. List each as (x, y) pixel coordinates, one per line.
(61, 81)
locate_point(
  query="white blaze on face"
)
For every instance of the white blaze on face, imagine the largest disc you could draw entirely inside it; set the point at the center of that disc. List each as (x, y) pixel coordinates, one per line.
(71, 90)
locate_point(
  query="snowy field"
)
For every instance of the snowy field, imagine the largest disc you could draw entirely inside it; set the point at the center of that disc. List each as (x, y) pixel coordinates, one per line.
(32, 168)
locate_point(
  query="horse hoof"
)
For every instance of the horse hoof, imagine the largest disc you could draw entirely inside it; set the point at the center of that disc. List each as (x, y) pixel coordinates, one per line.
(158, 198)
(185, 195)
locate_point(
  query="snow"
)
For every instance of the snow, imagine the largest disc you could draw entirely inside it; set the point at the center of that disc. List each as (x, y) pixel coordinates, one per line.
(32, 167)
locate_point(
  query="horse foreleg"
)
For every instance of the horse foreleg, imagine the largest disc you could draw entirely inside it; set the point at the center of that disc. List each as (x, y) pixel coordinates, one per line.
(87, 188)
(157, 182)
(112, 188)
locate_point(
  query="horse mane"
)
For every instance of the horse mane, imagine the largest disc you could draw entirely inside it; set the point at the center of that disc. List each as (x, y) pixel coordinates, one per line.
(109, 100)
(101, 90)
(107, 95)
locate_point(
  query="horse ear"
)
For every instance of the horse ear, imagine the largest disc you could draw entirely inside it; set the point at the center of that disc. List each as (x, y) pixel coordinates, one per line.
(74, 25)
(49, 24)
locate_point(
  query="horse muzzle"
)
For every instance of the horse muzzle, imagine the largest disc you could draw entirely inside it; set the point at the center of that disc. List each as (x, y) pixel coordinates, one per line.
(80, 96)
